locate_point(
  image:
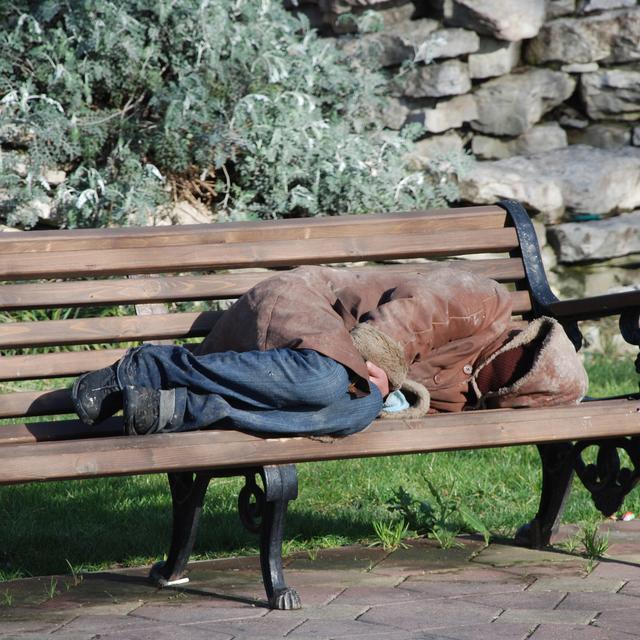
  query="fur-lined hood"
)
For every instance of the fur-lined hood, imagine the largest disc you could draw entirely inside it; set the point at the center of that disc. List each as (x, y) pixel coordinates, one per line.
(555, 377)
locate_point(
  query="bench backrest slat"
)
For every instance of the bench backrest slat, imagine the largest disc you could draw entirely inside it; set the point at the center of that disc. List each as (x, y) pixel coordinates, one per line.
(186, 288)
(157, 327)
(240, 255)
(96, 330)
(430, 222)
(57, 364)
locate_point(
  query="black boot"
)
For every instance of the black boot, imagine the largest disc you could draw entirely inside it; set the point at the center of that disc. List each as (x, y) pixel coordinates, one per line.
(97, 395)
(148, 410)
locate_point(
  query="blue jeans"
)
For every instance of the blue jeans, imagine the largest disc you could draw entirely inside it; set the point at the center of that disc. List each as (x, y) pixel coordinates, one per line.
(280, 391)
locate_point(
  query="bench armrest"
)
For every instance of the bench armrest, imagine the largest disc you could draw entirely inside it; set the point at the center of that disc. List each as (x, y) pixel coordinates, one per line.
(595, 307)
(624, 303)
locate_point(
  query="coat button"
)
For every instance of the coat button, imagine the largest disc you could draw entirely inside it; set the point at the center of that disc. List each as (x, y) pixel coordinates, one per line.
(468, 369)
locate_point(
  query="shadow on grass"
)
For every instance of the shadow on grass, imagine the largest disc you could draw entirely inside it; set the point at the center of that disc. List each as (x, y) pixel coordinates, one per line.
(106, 523)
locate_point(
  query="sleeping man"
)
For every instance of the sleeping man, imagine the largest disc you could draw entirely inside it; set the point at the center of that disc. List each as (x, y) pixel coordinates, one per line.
(316, 351)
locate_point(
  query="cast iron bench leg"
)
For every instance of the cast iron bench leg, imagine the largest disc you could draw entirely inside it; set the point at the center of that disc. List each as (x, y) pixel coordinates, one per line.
(263, 512)
(187, 495)
(557, 473)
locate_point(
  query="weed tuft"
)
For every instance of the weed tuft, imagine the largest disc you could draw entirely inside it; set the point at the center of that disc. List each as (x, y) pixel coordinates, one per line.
(7, 598)
(390, 534)
(441, 519)
(595, 545)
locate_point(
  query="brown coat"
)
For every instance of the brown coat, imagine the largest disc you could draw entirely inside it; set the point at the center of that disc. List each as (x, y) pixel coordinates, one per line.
(445, 321)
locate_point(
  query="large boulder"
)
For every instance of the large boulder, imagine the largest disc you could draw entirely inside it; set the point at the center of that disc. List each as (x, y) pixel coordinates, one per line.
(436, 80)
(612, 93)
(512, 104)
(610, 37)
(502, 19)
(589, 6)
(514, 179)
(494, 58)
(394, 113)
(340, 15)
(557, 8)
(542, 137)
(598, 239)
(578, 177)
(446, 114)
(434, 147)
(604, 135)
(448, 43)
(391, 46)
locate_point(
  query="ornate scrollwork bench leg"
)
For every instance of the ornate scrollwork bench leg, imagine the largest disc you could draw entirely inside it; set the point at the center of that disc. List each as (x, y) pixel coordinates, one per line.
(187, 495)
(606, 480)
(557, 473)
(262, 511)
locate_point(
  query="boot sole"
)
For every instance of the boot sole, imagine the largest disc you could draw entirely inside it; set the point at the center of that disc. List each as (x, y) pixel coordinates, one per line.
(77, 405)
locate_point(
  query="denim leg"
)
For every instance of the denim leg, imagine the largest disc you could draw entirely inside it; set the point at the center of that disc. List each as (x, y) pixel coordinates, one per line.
(343, 416)
(285, 391)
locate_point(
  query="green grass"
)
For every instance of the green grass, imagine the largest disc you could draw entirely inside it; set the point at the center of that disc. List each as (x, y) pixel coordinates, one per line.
(69, 527)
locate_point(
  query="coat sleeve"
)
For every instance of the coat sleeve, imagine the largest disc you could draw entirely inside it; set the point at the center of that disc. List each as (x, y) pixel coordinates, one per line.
(430, 311)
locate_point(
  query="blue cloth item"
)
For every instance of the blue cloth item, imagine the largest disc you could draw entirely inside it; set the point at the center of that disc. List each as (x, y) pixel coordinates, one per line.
(395, 402)
(280, 391)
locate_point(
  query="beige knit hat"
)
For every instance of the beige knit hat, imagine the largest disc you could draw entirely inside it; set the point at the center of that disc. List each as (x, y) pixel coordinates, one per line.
(379, 348)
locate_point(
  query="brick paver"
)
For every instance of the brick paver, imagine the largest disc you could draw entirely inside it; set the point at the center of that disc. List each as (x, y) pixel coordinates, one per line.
(537, 616)
(420, 593)
(563, 632)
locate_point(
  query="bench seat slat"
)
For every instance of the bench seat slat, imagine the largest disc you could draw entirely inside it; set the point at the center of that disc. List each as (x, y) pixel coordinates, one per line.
(24, 433)
(484, 217)
(204, 450)
(35, 403)
(186, 288)
(276, 253)
(122, 329)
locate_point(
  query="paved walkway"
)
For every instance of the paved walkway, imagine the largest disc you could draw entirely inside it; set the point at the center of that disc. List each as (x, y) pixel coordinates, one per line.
(419, 592)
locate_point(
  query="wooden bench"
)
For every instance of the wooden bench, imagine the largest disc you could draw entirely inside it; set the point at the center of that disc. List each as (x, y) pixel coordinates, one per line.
(87, 270)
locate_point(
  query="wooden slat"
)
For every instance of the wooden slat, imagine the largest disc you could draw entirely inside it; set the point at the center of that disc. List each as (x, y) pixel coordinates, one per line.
(220, 449)
(187, 288)
(425, 222)
(56, 365)
(71, 363)
(35, 403)
(250, 254)
(122, 329)
(521, 302)
(22, 433)
(96, 330)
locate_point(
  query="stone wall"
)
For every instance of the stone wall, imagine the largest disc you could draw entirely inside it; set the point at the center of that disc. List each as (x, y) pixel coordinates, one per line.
(546, 96)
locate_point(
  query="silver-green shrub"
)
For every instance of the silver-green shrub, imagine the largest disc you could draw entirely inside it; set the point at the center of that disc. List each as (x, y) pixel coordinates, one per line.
(236, 98)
